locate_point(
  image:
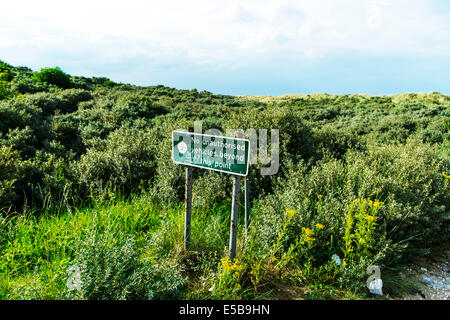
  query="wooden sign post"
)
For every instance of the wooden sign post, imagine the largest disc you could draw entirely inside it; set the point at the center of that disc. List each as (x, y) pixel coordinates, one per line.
(218, 153)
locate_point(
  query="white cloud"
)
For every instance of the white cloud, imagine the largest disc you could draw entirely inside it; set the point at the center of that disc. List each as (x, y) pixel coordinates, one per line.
(217, 33)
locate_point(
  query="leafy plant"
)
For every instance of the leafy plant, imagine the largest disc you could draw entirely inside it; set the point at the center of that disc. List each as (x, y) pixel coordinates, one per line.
(53, 76)
(111, 269)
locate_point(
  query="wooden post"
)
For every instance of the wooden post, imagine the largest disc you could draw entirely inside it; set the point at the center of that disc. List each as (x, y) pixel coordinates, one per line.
(247, 204)
(188, 205)
(235, 212)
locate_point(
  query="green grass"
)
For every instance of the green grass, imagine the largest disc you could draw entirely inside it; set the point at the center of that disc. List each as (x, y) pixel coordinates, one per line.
(36, 250)
(43, 246)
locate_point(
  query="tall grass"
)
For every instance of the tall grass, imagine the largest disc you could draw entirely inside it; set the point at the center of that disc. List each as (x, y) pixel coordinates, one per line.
(37, 250)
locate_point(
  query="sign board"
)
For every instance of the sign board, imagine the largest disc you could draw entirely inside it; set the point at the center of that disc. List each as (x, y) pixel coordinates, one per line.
(218, 153)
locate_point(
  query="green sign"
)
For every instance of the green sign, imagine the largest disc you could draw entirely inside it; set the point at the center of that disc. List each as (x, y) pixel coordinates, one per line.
(218, 153)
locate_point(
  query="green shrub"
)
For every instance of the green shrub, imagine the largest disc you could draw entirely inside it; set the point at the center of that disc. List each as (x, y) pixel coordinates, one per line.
(9, 174)
(17, 178)
(111, 269)
(446, 124)
(53, 76)
(5, 92)
(336, 142)
(360, 230)
(407, 178)
(22, 140)
(211, 189)
(120, 163)
(18, 113)
(71, 98)
(24, 84)
(168, 183)
(295, 141)
(65, 131)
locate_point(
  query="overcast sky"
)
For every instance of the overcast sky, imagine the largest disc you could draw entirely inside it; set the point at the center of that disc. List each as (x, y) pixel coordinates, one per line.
(262, 47)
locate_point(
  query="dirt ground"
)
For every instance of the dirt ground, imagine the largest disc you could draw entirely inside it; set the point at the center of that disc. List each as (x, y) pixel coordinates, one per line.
(432, 275)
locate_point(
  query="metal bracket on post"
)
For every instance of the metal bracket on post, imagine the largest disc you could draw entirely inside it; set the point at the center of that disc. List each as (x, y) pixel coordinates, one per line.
(188, 204)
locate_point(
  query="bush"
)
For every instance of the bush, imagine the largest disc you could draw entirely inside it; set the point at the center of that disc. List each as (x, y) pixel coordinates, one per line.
(408, 179)
(65, 131)
(111, 269)
(5, 92)
(13, 116)
(16, 178)
(71, 98)
(22, 140)
(336, 142)
(9, 172)
(23, 85)
(122, 163)
(295, 141)
(53, 76)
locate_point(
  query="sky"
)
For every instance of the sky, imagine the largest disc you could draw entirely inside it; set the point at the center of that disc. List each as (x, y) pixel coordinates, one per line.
(255, 47)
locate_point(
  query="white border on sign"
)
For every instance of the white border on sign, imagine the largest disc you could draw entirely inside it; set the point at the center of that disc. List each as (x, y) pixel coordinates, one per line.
(209, 135)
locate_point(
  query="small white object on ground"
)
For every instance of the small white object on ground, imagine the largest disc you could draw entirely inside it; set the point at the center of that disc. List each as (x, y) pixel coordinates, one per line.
(376, 286)
(336, 259)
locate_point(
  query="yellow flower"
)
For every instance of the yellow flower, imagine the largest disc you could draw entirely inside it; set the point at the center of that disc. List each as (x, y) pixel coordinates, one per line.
(320, 196)
(446, 176)
(344, 264)
(377, 203)
(369, 218)
(291, 212)
(308, 239)
(229, 266)
(319, 226)
(308, 231)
